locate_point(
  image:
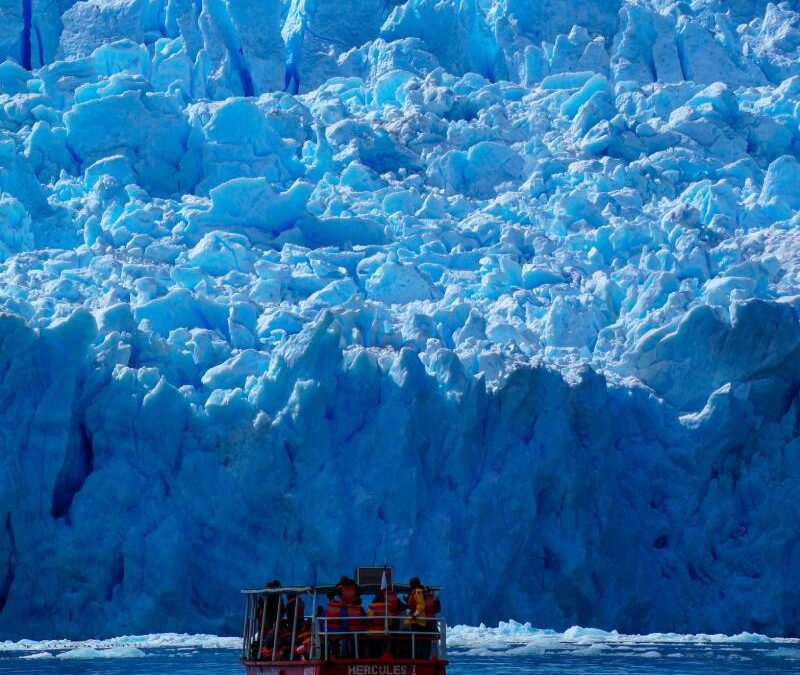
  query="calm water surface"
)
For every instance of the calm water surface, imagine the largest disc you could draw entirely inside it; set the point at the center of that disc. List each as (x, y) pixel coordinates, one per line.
(723, 659)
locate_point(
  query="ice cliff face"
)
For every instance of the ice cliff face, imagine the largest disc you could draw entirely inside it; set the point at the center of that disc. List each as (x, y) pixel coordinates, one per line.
(508, 293)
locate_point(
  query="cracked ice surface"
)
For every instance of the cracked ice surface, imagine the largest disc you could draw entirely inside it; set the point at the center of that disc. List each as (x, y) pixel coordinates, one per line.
(516, 304)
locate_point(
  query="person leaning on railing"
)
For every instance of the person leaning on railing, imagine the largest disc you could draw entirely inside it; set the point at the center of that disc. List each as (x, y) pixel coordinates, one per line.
(381, 615)
(295, 610)
(345, 615)
(383, 604)
(423, 606)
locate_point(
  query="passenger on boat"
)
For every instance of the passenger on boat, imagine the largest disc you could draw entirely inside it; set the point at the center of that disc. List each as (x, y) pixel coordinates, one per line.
(415, 601)
(383, 604)
(333, 612)
(270, 609)
(349, 591)
(275, 607)
(284, 643)
(344, 615)
(383, 613)
(432, 606)
(295, 610)
(333, 624)
(302, 647)
(423, 605)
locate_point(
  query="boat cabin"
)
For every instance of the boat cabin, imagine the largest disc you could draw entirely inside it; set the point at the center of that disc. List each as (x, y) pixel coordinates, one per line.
(330, 629)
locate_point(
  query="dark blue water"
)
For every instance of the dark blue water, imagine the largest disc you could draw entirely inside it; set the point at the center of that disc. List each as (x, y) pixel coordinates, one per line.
(705, 659)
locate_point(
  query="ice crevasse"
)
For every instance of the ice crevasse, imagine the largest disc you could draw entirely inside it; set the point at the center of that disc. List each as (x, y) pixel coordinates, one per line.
(288, 286)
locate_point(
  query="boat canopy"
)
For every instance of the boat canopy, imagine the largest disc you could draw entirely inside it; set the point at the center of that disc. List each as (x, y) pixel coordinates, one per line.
(324, 589)
(368, 579)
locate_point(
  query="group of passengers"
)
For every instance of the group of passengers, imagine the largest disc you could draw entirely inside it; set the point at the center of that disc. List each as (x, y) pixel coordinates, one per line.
(387, 612)
(288, 619)
(344, 616)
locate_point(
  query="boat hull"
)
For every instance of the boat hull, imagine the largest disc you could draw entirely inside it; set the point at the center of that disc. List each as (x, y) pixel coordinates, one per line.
(346, 667)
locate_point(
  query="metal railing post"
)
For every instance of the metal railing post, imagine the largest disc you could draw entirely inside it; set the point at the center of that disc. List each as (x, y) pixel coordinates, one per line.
(413, 645)
(443, 641)
(245, 629)
(326, 637)
(294, 626)
(314, 628)
(261, 629)
(277, 626)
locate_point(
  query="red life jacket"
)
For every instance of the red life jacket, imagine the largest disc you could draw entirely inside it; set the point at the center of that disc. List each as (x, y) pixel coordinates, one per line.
(431, 604)
(394, 602)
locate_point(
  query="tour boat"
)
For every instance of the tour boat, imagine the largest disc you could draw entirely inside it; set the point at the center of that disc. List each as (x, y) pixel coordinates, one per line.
(279, 638)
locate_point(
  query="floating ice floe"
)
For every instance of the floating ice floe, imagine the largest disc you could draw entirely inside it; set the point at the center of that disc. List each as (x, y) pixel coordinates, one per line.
(132, 643)
(516, 639)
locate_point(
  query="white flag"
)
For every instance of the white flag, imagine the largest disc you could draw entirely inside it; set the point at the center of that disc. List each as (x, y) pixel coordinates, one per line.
(384, 580)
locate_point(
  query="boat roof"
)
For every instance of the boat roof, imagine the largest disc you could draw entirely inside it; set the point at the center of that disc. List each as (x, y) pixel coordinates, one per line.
(324, 589)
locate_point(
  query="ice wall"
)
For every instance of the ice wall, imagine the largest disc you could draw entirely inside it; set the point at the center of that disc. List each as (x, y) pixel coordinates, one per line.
(508, 301)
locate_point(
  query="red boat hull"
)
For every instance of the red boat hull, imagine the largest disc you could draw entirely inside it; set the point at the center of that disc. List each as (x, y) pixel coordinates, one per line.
(347, 667)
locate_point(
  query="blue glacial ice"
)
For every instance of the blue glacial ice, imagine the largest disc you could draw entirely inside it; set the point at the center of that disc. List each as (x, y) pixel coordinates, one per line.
(508, 294)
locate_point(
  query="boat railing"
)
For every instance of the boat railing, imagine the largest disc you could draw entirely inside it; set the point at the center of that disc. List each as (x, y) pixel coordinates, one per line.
(414, 632)
(331, 636)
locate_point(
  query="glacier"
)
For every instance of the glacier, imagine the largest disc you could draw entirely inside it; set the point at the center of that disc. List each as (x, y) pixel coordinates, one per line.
(503, 291)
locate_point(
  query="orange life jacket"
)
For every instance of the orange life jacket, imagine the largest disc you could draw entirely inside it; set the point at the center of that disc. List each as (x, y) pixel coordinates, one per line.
(266, 652)
(335, 609)
(354, 621)
(380, 608)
